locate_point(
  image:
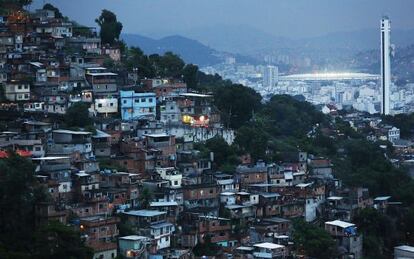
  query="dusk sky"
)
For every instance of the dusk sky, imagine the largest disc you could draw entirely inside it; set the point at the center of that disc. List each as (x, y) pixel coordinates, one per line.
(289, 18)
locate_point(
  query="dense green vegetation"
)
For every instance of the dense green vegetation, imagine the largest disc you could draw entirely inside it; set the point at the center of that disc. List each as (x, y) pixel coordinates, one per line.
(51, 7)
(20, 237)
(168, 65)
(315, 242)
(364, 164)
(379, 231)
(405, 122)
(207, 248)
(77, 115)
(225, 156)
(110, 27)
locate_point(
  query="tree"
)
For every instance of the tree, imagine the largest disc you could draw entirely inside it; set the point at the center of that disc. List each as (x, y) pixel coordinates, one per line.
(290, 117)
(48, 6)
(225, 157)
(110, 27)
(78, 115)
(2, 94)
(136, 59)
(405, 122)
(206, 248)
(145, 198)
(19, 3)
(190, 76)
(237, 103)
(312, 240)
(256, 146)
(19, 193)
(170, 65)
(378, 231)
(56, 240)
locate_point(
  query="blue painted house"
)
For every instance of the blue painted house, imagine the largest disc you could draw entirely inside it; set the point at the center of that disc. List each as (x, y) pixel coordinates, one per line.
(135, 105)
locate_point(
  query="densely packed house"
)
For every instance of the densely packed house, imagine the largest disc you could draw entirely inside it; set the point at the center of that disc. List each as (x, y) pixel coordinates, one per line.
(139, 168)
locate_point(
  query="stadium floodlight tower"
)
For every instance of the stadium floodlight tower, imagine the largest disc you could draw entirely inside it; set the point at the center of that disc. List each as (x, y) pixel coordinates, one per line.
(385, 65)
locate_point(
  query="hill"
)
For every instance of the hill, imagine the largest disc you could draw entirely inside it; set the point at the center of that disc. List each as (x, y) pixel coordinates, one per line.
(402, 64)
(246, 40)
(191, 51)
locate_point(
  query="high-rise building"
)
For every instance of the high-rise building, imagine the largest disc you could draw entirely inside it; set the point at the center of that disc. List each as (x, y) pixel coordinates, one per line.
(385, 65)
(270, 76)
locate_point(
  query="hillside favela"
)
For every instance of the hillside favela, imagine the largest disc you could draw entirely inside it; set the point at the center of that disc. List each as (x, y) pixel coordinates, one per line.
(214, 129)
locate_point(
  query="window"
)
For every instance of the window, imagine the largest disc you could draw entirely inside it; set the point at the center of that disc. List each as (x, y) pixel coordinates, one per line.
(125, 101)
(26, 87)
(99, 105)
(150, 100)
(175, 182)
(111, 104)
(143, 100)
(19, 87)
(136, 100)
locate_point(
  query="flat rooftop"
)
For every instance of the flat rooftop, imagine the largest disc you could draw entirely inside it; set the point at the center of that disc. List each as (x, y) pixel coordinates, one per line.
(405, 248)
(145, 213)
(340, 223)
(268, 245)
(134, 238)
(72, 132)
(163, 203)
(196, 95)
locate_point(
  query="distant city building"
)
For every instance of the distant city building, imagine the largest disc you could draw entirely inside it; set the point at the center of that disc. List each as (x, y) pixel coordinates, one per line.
(385, 65)
(230, 60)
(270, 76)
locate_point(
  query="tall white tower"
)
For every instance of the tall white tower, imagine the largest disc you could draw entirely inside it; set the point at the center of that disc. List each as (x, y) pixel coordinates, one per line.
(385, 65)
(271, 76)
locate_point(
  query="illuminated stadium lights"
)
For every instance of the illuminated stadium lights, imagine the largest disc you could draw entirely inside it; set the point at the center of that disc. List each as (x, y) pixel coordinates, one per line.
(335, 76)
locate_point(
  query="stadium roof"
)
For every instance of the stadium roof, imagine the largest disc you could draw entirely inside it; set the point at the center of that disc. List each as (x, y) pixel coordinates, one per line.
(329, 76)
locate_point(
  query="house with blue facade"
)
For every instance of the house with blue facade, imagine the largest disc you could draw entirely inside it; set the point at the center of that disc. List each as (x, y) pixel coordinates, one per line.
(135, 105)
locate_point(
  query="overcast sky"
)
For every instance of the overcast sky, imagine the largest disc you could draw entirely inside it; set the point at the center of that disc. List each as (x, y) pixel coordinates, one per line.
(289, 18)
